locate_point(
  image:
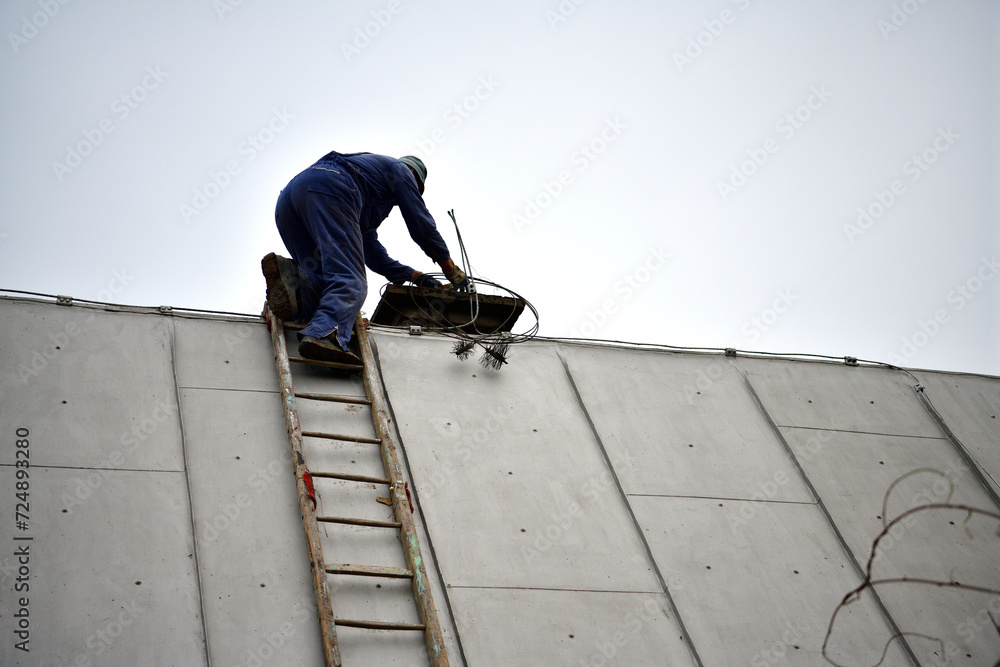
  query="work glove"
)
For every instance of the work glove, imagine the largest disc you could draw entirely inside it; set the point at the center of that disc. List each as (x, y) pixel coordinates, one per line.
(423, 280)
(458, 279)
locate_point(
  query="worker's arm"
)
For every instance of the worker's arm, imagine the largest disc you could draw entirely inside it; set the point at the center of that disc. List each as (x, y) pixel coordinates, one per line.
(378, 260)
(418, 219)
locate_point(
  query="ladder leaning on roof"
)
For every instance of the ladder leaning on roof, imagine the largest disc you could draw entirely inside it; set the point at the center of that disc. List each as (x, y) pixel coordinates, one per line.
(414, 570)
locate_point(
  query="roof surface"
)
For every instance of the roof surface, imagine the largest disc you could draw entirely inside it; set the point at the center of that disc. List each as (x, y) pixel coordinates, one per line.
(586, 505)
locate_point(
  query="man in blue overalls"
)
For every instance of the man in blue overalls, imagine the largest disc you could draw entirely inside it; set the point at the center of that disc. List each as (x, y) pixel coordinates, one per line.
(328, 217)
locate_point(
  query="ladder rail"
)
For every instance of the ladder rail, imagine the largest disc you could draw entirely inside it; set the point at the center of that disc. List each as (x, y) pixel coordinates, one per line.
(321, 587)
(436, 651)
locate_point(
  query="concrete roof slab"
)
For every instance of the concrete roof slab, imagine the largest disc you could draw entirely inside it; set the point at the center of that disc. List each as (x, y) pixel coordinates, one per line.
(762, 588)
(95, 389)
(970, 406)
(680, 425)
(543, 627)
(853, 472)
(255, 573)
(513, 486)
(112, 575)
(220, 354)
(840, 397)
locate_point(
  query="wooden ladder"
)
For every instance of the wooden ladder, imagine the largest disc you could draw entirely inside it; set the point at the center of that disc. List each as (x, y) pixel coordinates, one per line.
(398, 494)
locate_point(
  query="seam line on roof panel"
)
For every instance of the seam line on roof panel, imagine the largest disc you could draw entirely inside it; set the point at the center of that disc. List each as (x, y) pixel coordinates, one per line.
(688, 639)
(735, 500)
(847, 430)
(187, 482)
(173, 472)
(546, 588)
(826, 512)
(253, 391)
(394, 424)
(963, 453)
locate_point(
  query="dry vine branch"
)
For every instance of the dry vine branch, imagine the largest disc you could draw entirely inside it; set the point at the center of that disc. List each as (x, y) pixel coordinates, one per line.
(868, 582)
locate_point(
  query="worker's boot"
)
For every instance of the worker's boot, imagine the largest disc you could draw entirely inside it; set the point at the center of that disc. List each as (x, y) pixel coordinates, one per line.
(282, 277)
(327, 349)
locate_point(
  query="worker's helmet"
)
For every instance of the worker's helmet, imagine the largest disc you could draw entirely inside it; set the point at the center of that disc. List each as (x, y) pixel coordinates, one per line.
(417, 165)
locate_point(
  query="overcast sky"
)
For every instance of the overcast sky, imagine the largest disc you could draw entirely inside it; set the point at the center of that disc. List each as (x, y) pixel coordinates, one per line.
(778, 175)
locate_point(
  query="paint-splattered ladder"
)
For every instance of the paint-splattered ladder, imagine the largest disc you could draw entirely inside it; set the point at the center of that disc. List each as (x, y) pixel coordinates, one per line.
(399, 497)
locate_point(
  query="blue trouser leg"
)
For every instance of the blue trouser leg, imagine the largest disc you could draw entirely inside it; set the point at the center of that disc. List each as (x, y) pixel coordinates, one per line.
(318, 217)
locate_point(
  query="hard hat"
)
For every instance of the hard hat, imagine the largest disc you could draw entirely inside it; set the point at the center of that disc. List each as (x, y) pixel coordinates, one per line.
(417, 165)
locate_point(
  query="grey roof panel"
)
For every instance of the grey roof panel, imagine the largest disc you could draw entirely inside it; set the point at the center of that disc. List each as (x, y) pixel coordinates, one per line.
(95, 390)
(219, 354)
(837, 396)
(679, 425)
(502, 626)
(254, 570)
(970, 406)
(514, 487)
(759, 588)
(111, 569)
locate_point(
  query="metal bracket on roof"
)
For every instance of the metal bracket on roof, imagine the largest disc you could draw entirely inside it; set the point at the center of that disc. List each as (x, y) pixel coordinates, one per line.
(166, 310)
(730, 351)
(64, 300)
(416, 330)
(851, 361)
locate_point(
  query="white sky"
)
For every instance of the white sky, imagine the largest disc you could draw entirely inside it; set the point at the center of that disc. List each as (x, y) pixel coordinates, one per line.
(532, 87)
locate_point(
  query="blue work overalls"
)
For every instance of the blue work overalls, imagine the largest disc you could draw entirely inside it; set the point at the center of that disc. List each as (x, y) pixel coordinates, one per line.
(327, 217)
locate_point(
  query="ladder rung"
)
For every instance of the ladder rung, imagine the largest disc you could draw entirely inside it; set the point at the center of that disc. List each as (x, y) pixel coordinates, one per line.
(350, 478)
(369, 570)
(337, 436)
(374, 523)
(334, 399)
(378, 625)
(326, 364)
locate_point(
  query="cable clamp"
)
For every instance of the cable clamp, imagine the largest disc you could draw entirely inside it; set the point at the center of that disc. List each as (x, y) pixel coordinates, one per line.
(851, 361)
(64, 300)
(730, 351)
(416, 330)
